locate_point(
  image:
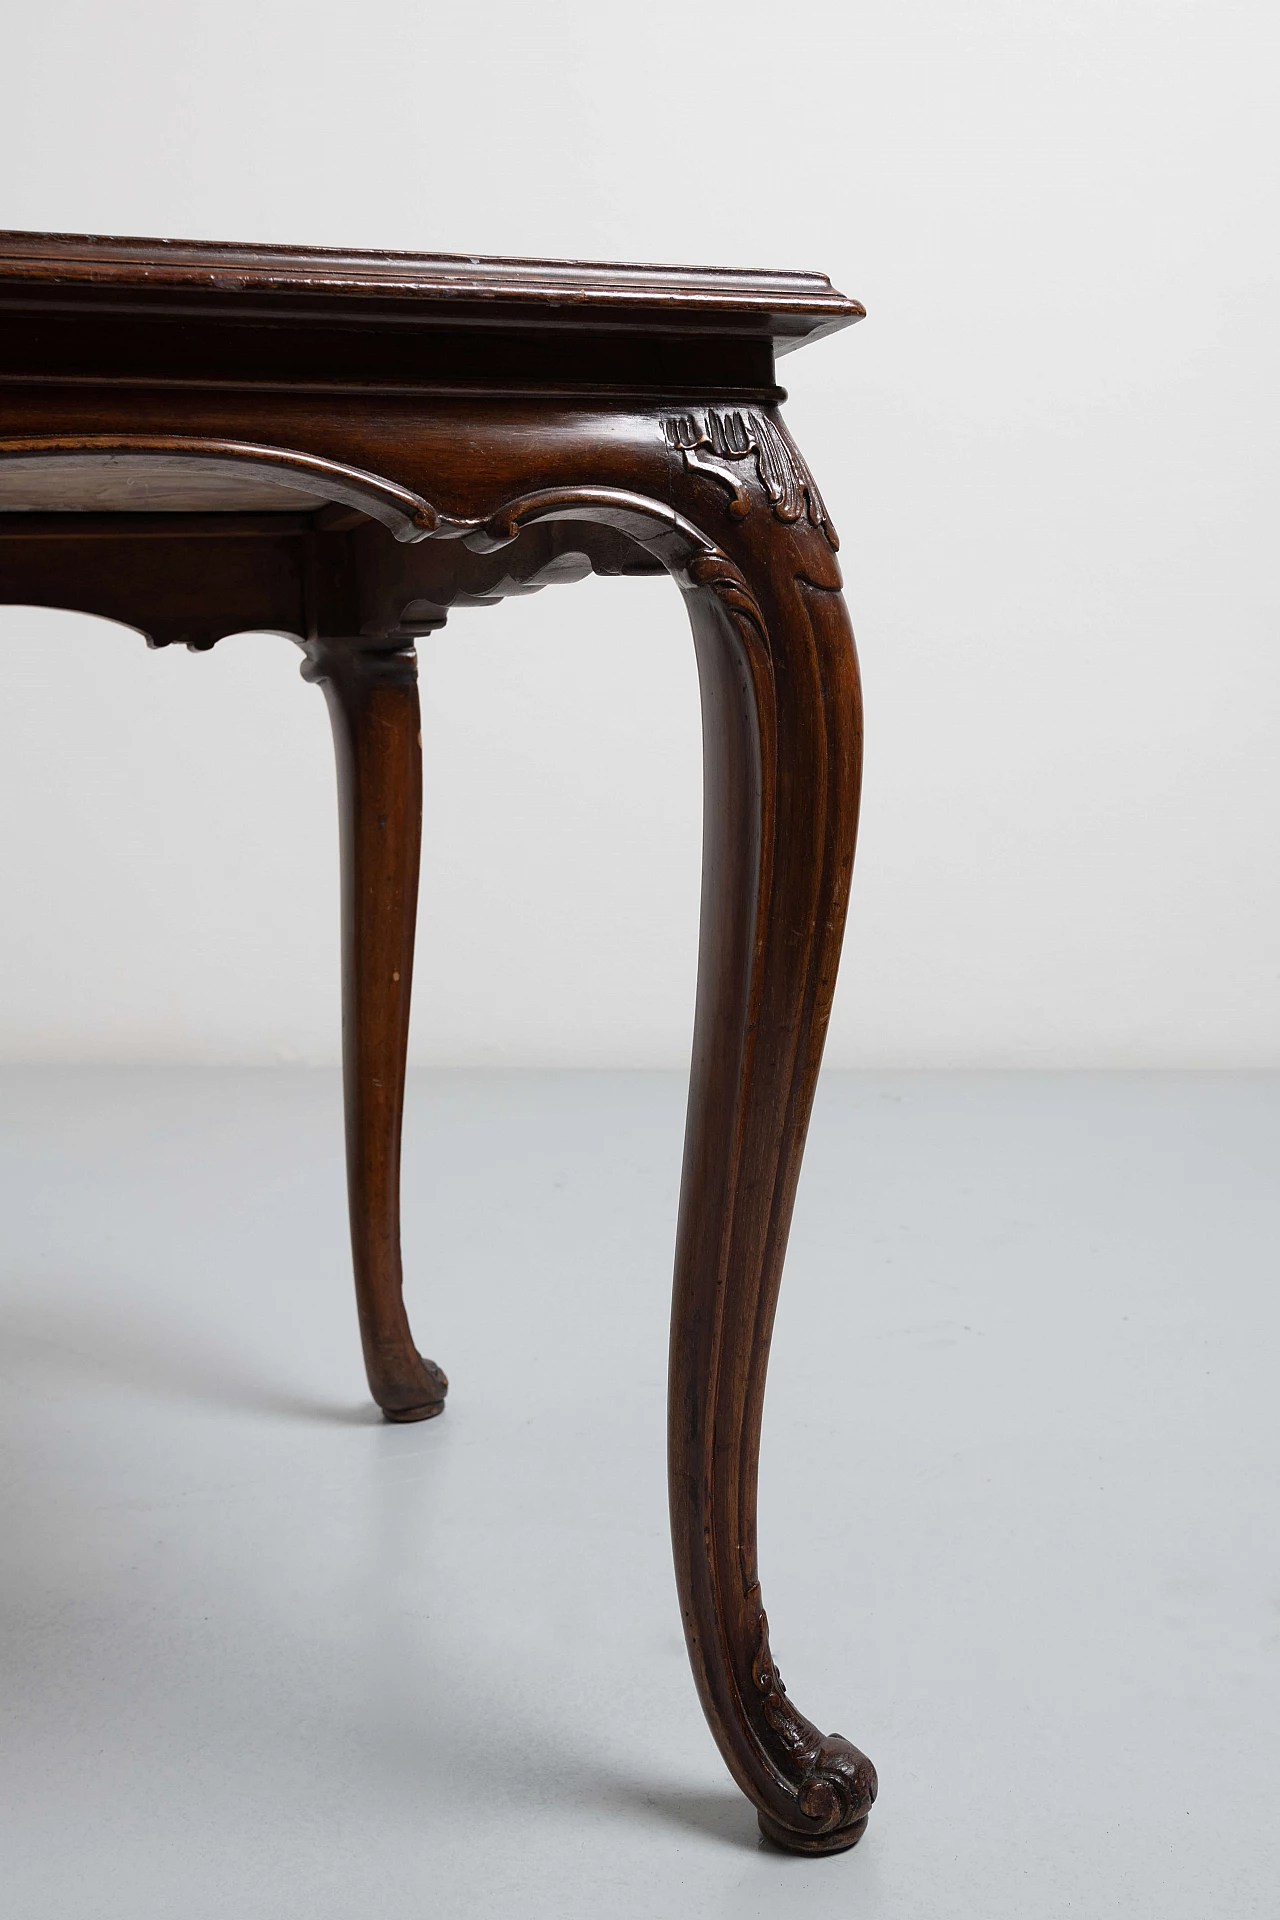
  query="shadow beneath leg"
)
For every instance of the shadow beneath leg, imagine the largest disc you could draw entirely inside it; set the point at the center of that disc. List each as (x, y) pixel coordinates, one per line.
(724, 1816)
(83, 1344)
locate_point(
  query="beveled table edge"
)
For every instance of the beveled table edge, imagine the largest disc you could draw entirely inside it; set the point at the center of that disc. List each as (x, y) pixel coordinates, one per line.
(142, 267)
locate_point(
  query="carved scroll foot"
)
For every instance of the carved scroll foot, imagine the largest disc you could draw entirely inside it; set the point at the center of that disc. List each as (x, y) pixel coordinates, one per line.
(782, 743)
(837, 1783)
(373, 704)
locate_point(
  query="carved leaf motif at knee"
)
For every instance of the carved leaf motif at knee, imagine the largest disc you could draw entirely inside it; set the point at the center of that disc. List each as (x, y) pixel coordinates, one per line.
(780, 468)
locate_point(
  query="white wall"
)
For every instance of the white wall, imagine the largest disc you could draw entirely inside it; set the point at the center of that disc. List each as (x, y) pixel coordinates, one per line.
(1050, 451)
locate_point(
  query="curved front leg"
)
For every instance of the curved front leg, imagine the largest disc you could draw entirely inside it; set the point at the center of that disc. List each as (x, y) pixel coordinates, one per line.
(782, 743)
(373, 704)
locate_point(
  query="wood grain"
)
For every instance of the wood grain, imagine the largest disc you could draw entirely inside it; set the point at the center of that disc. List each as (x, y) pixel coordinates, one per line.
(437, 433)
(786, 306)
(373, 705)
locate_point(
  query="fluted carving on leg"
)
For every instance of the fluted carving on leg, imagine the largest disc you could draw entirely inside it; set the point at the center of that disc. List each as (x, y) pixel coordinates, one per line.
(782, 752)
(782, 743)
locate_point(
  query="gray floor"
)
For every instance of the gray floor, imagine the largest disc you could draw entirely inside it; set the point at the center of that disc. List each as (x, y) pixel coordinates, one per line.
(265, 1656)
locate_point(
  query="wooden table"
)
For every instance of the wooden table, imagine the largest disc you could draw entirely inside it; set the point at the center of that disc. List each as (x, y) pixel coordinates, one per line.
(199, 440)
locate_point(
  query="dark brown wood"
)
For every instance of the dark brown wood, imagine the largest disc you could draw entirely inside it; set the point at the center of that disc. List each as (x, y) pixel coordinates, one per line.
(344, 448)
(782, 756)
(373, 704)
(54, 270)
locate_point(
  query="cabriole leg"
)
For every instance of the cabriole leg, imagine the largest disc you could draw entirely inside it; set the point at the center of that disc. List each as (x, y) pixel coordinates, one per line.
(736, 518)
(782, 742)
(373, 705)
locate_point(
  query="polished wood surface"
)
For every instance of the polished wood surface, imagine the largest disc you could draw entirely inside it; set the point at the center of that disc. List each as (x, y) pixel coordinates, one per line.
(199, 440)
(49, 269)
(377, 735)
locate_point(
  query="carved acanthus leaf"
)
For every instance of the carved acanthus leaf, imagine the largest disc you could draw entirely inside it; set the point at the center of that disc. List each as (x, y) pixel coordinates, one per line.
(780, 467)
(835, 1783)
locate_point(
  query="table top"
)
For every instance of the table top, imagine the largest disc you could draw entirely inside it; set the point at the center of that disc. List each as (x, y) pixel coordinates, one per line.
(51, 271)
